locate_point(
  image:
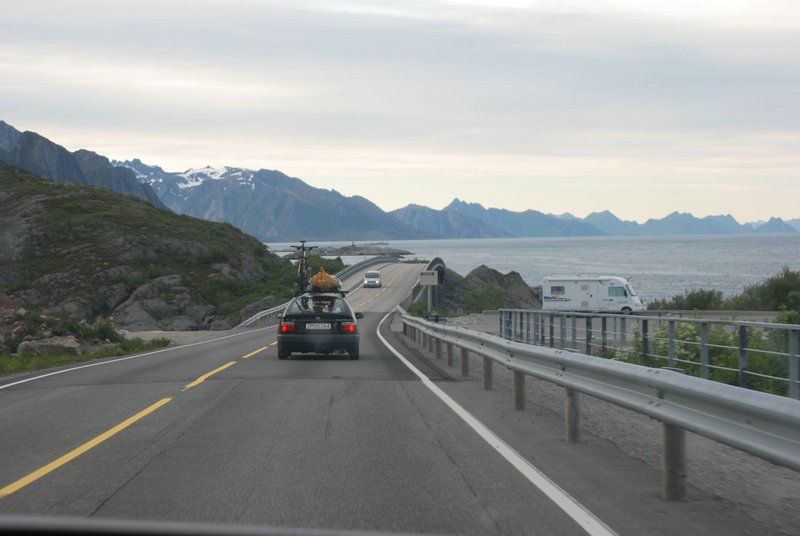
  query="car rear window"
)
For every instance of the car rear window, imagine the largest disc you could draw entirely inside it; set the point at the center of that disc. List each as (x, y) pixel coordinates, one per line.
(318, 304)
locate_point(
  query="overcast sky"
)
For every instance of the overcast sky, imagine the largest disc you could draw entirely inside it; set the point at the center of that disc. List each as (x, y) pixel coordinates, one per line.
(638, 107)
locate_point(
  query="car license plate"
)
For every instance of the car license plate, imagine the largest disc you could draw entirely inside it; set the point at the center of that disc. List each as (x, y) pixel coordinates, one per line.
(318, 325)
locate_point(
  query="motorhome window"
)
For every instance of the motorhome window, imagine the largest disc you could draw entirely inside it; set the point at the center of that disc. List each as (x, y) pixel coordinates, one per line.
(556, 290)
(373, 275)
(630, 290)
(617, 291)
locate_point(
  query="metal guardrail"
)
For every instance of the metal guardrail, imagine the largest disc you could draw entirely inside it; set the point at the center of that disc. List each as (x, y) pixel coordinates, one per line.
(761, 424)
(757, 355)
(263, 316)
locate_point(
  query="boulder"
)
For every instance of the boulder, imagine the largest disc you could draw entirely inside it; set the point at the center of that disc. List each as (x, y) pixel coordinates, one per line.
(50, 346)
(163, 304)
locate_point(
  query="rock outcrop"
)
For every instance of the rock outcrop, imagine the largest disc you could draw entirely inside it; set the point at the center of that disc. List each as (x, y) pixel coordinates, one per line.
(67, 345)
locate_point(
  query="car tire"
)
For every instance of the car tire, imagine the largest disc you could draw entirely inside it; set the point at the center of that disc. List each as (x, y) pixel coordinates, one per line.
(283, 354)
(627, 310)
(353, 354)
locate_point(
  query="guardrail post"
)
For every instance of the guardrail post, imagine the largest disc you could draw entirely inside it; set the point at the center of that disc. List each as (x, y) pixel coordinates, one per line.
(674, 460)
(794, 364)
(603, 334)
(645, 342)
(573, 416)
(528, 328)
(500, 317)
(588, 335)
(464, 362)
(438, 343)
(552, 331)
(536, 328)
(704, 350)
(542, 338)
(574, 331)
(563, 326)
(671, 343)
(488, 374)
(519, 390)
(742, 356)
(623, 333)
(449, 354)
(674, 463)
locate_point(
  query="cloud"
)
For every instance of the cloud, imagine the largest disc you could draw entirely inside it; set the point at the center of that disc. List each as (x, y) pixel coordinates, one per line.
(446, 93)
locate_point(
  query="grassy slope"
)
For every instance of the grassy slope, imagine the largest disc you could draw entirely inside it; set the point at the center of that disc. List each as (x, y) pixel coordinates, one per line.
(68, 242)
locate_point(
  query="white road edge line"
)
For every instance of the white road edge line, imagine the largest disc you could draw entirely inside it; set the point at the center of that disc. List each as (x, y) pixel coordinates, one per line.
(128, 357)
(579, 513)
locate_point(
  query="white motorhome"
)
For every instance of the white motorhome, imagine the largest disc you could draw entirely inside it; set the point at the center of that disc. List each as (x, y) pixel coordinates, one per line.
(605, 293)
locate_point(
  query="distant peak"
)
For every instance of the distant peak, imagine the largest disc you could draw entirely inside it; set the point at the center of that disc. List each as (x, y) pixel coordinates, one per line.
(457, 203)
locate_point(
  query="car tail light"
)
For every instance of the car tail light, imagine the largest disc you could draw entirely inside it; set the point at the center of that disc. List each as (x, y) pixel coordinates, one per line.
(288, 327)
(347, 327)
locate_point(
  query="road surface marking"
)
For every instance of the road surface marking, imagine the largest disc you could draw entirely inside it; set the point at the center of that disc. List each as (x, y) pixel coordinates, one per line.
(100, 364)
(579, 513)
(206, 376)
(254, 353)
(63, 460)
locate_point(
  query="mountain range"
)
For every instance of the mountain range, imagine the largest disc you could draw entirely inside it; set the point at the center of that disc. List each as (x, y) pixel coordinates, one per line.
(40, 156)
(275, 207)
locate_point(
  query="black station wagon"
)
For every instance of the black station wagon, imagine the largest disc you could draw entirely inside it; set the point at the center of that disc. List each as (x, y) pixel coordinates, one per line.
(320, 323)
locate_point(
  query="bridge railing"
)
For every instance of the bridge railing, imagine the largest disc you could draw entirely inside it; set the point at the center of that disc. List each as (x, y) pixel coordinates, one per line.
(761, 424)
(417, 290)
(757, 355)
(264, 317)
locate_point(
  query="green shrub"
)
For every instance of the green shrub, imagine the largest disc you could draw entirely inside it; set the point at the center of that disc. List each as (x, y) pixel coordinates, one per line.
(700, 300)
(723, 353)
(489, 296)
(775, 293)
(418, 309)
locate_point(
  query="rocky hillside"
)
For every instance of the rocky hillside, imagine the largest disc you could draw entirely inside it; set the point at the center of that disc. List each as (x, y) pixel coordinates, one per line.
(88, 252)
(482, 289)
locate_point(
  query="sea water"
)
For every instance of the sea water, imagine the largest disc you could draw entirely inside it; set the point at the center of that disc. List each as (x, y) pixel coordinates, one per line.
(657, 267)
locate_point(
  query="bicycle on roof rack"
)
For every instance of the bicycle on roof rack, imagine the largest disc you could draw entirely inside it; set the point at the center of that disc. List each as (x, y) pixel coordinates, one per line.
(301, 285)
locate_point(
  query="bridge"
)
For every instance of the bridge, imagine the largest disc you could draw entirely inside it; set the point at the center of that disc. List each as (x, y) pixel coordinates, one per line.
(407, 439)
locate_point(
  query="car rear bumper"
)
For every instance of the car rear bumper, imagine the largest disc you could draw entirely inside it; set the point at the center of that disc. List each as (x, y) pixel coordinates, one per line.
(319, 343)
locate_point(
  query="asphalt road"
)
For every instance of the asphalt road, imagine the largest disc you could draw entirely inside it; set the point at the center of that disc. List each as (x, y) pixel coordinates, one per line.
(223, 432)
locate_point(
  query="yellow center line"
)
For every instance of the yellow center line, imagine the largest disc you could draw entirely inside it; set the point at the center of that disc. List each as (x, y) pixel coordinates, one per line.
(273, 343)
(206, 376)
(52, 466)
(254, 353)
(375, 295)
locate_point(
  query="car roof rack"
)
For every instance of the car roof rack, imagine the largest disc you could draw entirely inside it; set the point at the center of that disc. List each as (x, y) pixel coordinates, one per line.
(314, 290)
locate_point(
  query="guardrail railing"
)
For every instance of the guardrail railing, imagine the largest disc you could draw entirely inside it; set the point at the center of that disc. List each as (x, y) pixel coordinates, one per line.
(757, 355)
(761, 424)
